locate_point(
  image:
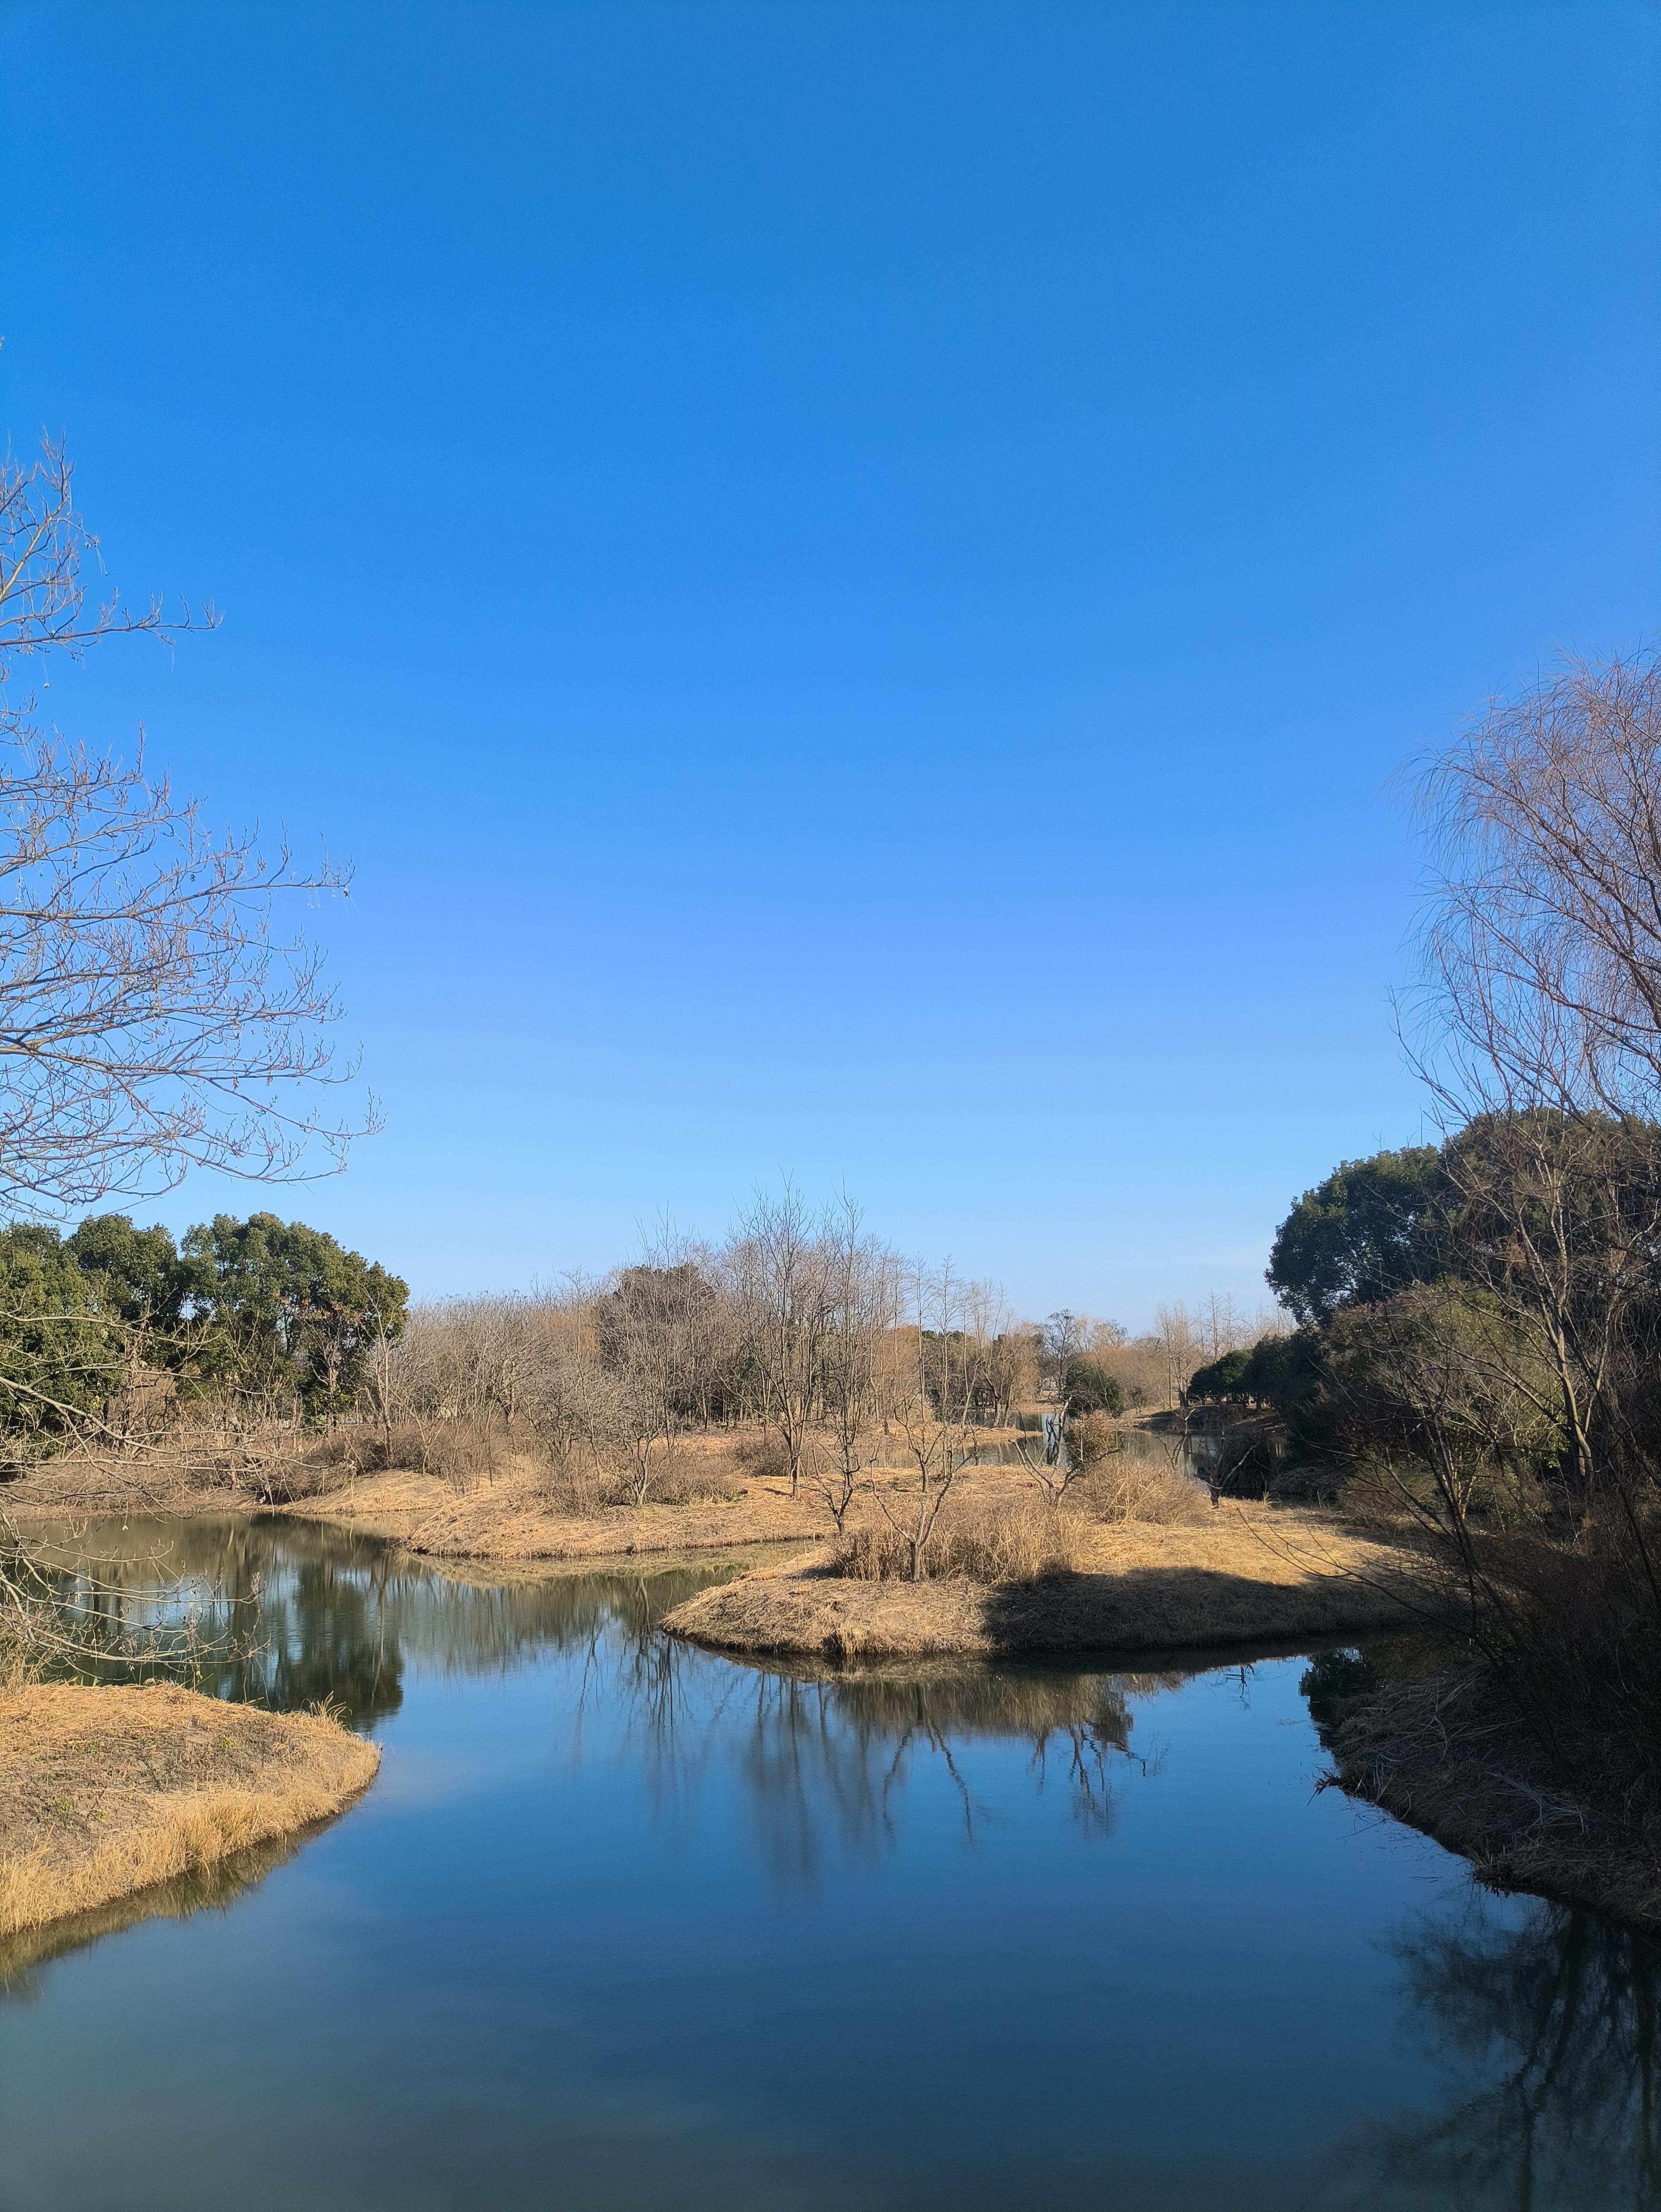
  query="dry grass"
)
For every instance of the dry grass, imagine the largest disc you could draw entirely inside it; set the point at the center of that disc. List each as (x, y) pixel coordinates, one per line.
(104, 1791)
(1445, 1752)
(511, 1518)
(1001, 1534)
(441, 1477)
(998, 1539)
(1244, 1575)
(1121, 1488)
(729, 1489)
(203, 1888)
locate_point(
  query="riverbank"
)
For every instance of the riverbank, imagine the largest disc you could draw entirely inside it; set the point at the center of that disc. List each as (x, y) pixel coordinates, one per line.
(107, 1791)
(508, 1515)
(508, 1519)
(1245, 1575)
(1439, 1751)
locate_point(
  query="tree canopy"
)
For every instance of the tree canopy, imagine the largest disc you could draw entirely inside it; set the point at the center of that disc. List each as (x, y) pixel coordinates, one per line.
(1090, 1386)
(1358, 1235)
(267, 1310)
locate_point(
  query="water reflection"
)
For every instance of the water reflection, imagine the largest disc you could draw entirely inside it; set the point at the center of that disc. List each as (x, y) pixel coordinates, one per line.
(585, 1809)
(28, 1951)
(1549, 2028)
(286, 1615)
(835, 1754)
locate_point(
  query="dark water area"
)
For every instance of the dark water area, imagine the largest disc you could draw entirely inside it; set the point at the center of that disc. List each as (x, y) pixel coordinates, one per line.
(622, 1924)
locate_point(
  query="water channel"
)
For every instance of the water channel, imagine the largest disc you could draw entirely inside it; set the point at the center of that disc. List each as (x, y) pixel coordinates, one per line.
(623, 1924)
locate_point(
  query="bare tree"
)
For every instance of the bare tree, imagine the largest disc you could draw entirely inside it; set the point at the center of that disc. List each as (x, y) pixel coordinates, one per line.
(1011, 1370)
(934, 1407)
(862, 1281)
(782, 1267)
(151, 1018)
(1543, 949)
(1062, 1339)
(1180, 1348)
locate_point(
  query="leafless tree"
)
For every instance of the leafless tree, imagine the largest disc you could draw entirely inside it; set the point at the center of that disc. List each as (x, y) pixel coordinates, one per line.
(782, 1269)
(862, 1281)
(151, 1018)
(943, 1342)
(1010, 1370)
(1543, 980)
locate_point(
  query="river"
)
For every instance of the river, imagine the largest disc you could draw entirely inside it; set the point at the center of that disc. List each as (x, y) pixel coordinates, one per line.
(622, 1924)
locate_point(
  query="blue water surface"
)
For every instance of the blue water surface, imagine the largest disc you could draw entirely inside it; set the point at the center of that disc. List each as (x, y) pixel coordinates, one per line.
(623, 1923)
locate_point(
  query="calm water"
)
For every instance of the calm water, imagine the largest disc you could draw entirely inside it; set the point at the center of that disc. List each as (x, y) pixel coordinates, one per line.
(623, 1924)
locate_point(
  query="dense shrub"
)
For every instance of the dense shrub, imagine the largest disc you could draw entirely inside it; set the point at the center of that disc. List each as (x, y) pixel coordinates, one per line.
(1091, 1437)
(1015, 1539)
(1124, 1488)
(1090, 1386)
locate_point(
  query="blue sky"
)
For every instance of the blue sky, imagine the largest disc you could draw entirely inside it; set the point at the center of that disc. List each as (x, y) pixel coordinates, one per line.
(856, 580)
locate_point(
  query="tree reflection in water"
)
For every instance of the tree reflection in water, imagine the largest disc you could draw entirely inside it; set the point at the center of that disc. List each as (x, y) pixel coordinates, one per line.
(286, 1613)
(1558, 2017)
(833, 1754)
(825, 1757)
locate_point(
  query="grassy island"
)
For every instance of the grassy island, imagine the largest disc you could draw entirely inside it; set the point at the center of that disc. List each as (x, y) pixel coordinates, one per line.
(1238, 1577)
(107, 1791)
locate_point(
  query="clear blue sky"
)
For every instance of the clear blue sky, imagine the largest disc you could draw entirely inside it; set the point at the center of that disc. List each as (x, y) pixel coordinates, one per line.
(853, 578)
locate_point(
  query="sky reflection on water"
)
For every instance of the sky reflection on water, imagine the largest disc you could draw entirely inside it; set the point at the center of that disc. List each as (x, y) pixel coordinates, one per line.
(623, 1921)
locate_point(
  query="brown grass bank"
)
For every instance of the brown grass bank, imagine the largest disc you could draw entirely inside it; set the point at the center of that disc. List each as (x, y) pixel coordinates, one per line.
(204, 1888)
(508, 1518)
(505, 1511)
(104, 1791)
(731, 1496)
(1438, 1749)
(1242, 1576)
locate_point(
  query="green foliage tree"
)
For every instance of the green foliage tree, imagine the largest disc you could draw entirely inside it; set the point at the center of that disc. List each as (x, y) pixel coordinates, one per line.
(141, 1278)
(290, 1311)
(1222, 1378)
(1284, 1372)
(1359, 1235)
(1088, 1386)
(62, 1350)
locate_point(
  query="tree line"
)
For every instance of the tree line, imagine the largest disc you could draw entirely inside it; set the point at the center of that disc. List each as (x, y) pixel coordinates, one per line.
(114, 1333)
(801, 1325)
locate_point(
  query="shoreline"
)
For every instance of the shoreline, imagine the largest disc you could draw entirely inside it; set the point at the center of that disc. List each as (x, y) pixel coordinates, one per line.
(108, 1791)
(507, 1514)
(1235, 1572)
(1439, 1754)
(503, 1518)
(1144, 1587)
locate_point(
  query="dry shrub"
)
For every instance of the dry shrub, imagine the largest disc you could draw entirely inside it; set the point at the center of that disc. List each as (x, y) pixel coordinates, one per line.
(1141, 1371)
(460, 1452)
(686, 1478)
(1122, 1488)
(1577, 1631)
(763, 1458)
(580, 1484)
(1013, 1540)
(1092, 1436)
(574, 1484)
(278, 1465)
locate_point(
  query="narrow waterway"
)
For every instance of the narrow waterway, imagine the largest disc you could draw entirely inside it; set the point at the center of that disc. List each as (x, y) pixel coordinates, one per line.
(623, 1923)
